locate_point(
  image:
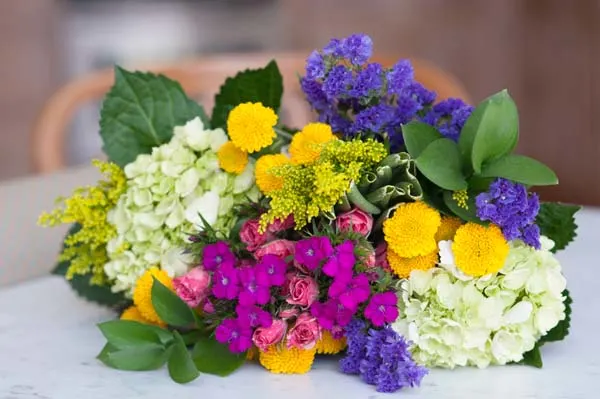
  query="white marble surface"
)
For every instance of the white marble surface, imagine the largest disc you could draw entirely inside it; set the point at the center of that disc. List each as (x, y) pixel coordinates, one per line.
(48, 344)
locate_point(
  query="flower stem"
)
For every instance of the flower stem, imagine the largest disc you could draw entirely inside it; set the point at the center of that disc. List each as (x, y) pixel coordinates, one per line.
(282, 133)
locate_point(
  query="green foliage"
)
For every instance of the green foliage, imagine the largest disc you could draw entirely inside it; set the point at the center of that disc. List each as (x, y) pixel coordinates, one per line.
(212, 357)
(264, 85)
(169, 307)
(469, 214)
(140, 112)
(520, 169)
(417, 136)
(440, 162)
(125, 333)
(533, 357)
(557, 222)
(135, 358)
(181, 367)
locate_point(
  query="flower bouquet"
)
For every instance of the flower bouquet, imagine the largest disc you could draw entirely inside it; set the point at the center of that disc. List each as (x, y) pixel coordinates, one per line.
(397, 231)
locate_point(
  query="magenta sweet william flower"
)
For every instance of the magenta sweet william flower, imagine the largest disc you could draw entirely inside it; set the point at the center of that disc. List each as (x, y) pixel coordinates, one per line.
(382, 309)
(342, 261)
(350, 292)
(217, 255)
(253, 316)
(310, 252)
(332, 314)
(254, 286)
(192, 287)
(251, 236)
(274, 267)
(226, 282)
(235, 334)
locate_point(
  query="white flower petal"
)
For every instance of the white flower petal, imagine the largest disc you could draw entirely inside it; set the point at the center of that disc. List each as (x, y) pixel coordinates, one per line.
(207, 206)
(519, 313)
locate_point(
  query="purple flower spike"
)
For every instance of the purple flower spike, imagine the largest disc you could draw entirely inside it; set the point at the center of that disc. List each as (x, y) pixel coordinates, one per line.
(274, 267)
(315, 66)
(226, 282)
(337, 82)
(217, 255)
(357, 48)
(232, 332)
(401, 74)
(368, 82)
(254, 287)
(351, 293)
(253, 316)
(382, 309)
(312, 251)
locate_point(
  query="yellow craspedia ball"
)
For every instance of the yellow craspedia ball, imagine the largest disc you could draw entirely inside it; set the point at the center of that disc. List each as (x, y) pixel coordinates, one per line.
(250, 126)
(133, 313)
(306, 145)
(448, 228)
(265, 179)
(279, 359)
(479, 250)
(403, 266)
(232, 159)
(328, 345)
(411, 230)
(142, 293)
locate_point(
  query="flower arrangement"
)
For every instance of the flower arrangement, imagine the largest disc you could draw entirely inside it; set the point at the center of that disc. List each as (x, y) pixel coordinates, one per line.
(396, 231)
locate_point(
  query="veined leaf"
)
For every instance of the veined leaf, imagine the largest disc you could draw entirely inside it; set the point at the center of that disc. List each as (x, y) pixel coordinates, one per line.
(181, 367)
(440, 163)
(417, 136)
(212, 357)
(126, 333)
(169, 307)
(520, 169)
(557, 222)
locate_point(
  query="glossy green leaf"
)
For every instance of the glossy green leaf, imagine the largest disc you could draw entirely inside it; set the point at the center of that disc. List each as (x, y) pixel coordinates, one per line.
(469, 214)
(557, 222)
(520, 169)
(417, 136)
(126, 333)
(134, 358)
(440, 163)
(212, 357)
(533, 357)
(181, 367)
(139, 113)
(169, 307)
(264, 85)
(491, 131)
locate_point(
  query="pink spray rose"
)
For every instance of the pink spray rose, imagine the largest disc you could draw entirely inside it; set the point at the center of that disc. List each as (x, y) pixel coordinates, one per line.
(281, 248)
(370, 260)
(265, 337)
(192, 287)
(355, 220)
(250, 235)
(302, 291)
(381, 256)
(289, 313)
(305, 333)
(281, 225)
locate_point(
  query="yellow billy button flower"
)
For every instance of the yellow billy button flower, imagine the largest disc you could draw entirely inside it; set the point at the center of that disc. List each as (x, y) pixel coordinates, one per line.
(132, 313)
(306, 146)
(479, 250)
(403, 266)
(411, 230)
(142, 293)
(328, 345)
(279, 359)
(448, 228)
(250, 126)
(232, 159)
(265, 179)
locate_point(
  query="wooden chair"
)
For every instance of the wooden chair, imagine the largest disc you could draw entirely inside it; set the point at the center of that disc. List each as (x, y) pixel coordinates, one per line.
(199, 76)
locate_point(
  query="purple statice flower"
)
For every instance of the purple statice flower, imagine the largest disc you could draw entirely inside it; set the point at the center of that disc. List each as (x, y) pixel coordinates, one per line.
(338, 123)
(401, 75)
(235, 334)
(254, 286)
(357, 48)
(310, 252)
(334, 48)
(315, 66)
(350, 292)
(449, 116)
(274, 267)
(315, 95)
(356, 339)
(368, 82)
(217, 255)
(342, 261)
(337, 82)
(253, 316)
(226, 282)
(510, 207)
(420, 94)
(373, 119)
(382, 309)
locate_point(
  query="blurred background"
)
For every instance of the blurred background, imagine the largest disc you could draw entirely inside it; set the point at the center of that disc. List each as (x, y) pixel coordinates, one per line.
(546, 52)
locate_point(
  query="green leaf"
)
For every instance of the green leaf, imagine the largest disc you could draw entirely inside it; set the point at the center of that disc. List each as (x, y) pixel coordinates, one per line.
(440, 163)
(561, 330)
(181, 366)
(126, 333)
(469, 214)
(212, 357)
(417, 136)
(139, 113)
(533, 357)
(264, 85)
(557, 222)
(520, 169)
(169, 307)
(491, 131)
(134, 358)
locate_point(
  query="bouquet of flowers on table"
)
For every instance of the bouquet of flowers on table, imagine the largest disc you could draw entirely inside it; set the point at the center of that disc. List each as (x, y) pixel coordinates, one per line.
(398, 231)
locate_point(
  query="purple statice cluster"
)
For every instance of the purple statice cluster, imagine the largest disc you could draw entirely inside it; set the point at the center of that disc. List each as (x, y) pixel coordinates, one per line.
(358, 98)
(348, 291)
(381, 358)
(513, 209)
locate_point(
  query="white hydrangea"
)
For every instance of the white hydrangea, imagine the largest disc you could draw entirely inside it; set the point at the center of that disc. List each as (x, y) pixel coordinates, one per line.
(456, 320)
(167, 192)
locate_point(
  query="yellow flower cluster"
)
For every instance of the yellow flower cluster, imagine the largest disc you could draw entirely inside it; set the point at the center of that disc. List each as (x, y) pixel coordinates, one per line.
(279, 359)
(307, 190)
(306, 145)
(403, 266)
(133, 313)
(461, 198)
(328, 345)
(448, 228)
(88, 207)
(479, 250)
(142, 293)
(232, 159)
(266, 180)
